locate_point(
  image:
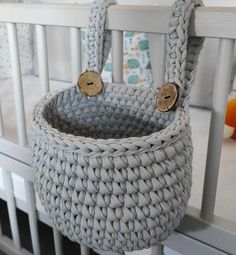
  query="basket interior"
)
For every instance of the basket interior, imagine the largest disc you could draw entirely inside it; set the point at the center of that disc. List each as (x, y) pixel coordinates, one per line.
(106, 116)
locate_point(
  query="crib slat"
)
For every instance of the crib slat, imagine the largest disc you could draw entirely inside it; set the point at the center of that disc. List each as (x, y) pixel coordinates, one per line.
(30, 198)
(42, 54)
(84, 250)
(157, 47)
(117, 56)
(157, 250)
(1, 121)
(76, 56)
(0, 228)
(11, 206)
(57, 241)
(220, 97)
(17, 83)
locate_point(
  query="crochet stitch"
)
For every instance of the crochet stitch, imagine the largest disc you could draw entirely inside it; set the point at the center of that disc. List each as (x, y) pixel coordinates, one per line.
(112, 171)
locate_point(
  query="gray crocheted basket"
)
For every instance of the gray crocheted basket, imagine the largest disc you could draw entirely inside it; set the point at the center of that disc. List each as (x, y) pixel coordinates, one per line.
(112, 171)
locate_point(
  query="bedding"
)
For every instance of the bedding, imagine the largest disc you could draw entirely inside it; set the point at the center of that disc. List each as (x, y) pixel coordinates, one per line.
(200, 124)
(25, 47)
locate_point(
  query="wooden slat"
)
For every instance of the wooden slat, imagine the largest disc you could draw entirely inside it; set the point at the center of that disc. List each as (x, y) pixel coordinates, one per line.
(216, 22)
(17, 167)
(32, 215)
(220, 97)
(206, 22)
(117, 56)
(76, 56)
(157, 250)
(57, 236)
(15, 151)
(1, 121)
(1, 234)
(84, 250)
(157, 47)
(184, 245)
(107, 252)
(42, 54)
(17, 83)
(7, 246)
(71, 15)
(11, 206)
(219, 234)
(22, 205)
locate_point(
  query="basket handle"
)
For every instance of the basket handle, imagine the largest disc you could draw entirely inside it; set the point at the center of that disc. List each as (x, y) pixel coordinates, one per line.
(98, 40)
(182, 52)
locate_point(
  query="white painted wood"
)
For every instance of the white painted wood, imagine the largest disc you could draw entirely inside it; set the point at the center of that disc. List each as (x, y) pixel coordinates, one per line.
(7, 246)
(57, 236)
(84, 250)
(157, 250)
(208, 21)
(108, 252)
(17, 167)
(219, 234)
(220, 97)
(187, 246)
(11, 206)
(1, 121)
(15, 151)
(70, 15)
(157, 46)
(42, 54)
(117, 56)
(76, 56)
(1, 234)
(17, 83)
(30, 198)
(22, 205)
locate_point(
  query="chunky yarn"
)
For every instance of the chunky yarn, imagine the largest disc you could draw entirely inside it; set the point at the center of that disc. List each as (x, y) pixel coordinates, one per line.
(112, 172)
(98, 39)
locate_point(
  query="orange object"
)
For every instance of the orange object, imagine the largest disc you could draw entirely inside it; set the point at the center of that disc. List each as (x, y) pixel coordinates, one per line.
(230, 119)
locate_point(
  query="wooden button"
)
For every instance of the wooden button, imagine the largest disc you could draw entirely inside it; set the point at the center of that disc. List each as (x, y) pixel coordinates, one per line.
(90, 83)
(167, 97)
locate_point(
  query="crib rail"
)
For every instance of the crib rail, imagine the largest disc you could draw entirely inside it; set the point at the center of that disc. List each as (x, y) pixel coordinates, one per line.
(199, 228)
(208, 21)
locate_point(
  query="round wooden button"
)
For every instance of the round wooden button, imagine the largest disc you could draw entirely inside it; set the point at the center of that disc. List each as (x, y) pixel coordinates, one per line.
(90, 83)
(167, 97)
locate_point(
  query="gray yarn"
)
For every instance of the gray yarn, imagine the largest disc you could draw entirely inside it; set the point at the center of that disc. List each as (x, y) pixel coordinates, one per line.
(113, 172)
(98, 39)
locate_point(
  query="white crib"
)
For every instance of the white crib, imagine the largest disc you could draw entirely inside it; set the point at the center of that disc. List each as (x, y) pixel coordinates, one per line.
(200, 232)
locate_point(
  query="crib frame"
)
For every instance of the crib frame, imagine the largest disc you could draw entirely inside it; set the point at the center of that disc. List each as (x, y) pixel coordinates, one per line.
(200, 232)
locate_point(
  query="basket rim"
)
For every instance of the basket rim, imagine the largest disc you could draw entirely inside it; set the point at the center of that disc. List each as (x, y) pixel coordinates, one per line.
(153, 141)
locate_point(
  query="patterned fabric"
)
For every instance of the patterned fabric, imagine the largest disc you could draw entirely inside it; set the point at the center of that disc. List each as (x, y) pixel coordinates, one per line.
(112, 171)
(25, 48)
(137, 65)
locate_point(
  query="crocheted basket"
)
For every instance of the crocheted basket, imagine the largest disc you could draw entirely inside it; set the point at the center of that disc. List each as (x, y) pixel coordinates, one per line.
(111, 170)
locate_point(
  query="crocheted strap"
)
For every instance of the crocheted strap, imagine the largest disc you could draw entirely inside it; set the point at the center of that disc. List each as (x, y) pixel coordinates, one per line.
(182, 53)
(98, 40)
